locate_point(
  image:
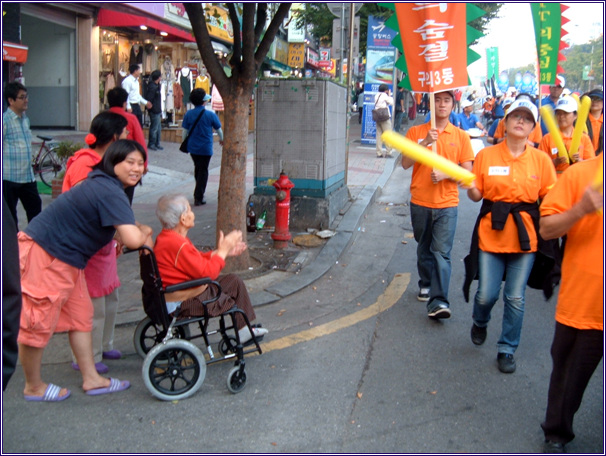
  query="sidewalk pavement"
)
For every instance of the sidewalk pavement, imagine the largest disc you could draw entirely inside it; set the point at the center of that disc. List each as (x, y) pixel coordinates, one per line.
(172, 171)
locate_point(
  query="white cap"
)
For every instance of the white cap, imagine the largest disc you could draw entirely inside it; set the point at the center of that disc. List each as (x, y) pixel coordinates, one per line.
(508, 101)
(566, 104)
(560, 81)
(526, 105)
(466, 103)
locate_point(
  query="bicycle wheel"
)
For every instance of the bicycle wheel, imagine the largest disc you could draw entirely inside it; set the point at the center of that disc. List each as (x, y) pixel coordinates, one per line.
(49, 167)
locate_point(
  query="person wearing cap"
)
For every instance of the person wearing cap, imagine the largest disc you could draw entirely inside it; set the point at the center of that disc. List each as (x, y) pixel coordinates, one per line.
(490, 138)
(566, 115)
(595, 120)
(433, 204)
(468, 119)
(574, 208)
(201, 122)
(555, 92)
(510, 178)
(535, 136)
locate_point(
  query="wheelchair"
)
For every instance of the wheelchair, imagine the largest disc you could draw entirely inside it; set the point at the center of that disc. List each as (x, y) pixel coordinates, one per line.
(174, 368)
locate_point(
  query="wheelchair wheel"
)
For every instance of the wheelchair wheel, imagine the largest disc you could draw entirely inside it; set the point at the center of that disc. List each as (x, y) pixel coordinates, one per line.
(236, 380)
(174, 370)
(227, 345)
(148, 335)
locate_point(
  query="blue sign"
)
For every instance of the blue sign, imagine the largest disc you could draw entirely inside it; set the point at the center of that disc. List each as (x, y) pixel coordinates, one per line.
(380, 64)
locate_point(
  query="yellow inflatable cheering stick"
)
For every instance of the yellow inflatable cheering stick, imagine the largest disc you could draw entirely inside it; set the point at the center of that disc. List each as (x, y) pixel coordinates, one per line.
(424, 156)
(552, 126)
(578, 100)
(580, 126)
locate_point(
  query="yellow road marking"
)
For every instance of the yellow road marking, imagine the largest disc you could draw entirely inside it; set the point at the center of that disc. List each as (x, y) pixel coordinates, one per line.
(393, 292)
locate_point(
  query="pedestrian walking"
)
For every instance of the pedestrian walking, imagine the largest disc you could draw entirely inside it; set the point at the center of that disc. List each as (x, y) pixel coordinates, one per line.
(566, 116)
(400, 110)
(574, 208)
(198, 125)
(18, 180)
(383, 100)
(595, 120)
(433, 204)
(153, 94)
(510, 178)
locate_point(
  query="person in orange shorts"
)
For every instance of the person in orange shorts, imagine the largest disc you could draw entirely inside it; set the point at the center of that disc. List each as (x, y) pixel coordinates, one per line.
(574, 208)
(53, 251)
(434, 201)
(566, 115)
(510, 178)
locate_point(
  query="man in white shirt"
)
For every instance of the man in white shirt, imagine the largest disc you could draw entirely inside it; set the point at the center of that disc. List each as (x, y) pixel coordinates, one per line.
(131, 85)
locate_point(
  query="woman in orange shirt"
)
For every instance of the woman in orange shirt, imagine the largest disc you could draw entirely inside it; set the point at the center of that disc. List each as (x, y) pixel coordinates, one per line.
(595, 120)
(566, 115)
(511, 177)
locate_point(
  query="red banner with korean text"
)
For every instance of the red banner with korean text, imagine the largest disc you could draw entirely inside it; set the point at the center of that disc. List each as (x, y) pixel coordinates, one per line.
(434, 44)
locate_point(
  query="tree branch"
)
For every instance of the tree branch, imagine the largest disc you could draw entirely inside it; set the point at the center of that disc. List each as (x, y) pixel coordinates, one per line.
(236, 57)
(197, 18)
(261, 19)
(270, 33)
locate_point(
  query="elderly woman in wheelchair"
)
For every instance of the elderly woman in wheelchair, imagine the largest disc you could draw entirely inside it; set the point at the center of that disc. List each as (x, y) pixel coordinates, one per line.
(179, 260)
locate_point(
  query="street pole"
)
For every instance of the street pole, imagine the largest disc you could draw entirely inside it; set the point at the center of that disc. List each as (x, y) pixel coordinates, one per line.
(349, 73)
(341, 46)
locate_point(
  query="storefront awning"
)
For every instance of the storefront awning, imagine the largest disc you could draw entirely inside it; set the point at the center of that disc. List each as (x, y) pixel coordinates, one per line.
(12, 52)
(218, 47)
(108, 18)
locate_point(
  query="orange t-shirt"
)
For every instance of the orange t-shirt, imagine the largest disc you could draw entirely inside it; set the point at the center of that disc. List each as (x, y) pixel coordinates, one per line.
(536, 135)
(596, 126)
(78, 167)
(586, 150)
(453, 144)
(501, 177)
(581, 296)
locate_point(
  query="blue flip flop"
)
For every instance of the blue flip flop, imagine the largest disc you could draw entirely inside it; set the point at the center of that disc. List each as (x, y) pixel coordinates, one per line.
(50, 395)
(115, 386)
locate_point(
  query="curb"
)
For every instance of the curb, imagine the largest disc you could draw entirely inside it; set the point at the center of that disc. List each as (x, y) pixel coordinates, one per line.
(332, 250)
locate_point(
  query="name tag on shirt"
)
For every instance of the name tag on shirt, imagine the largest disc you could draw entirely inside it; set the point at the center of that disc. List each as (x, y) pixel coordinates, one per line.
(554, 151)
(498, 171)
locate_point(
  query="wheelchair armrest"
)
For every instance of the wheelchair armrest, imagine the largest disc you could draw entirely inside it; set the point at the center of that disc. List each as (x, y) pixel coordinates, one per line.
(189, 284)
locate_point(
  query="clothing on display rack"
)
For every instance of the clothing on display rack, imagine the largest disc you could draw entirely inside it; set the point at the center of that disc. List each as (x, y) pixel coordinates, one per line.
(203, 82)
(136, 54)
(185, 79)
(216, 100)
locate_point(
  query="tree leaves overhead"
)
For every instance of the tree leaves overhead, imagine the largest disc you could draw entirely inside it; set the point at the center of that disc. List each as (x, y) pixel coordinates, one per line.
(319, 19)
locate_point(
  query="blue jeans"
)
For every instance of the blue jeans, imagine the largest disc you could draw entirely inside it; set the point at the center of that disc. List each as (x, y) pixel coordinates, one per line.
(398, 121)
(155, 129)
(434, 231)
(492, 266)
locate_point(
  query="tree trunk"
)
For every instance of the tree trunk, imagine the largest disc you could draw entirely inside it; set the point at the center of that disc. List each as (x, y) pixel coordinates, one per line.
(231, 212)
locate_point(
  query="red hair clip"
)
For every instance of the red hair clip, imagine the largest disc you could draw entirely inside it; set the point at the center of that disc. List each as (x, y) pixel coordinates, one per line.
(90, 139)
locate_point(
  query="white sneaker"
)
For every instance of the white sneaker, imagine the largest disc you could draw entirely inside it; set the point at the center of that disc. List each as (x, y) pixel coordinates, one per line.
(245, 334)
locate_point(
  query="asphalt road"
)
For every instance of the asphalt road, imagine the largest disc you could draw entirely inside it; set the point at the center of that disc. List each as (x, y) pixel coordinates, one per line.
(352, 365)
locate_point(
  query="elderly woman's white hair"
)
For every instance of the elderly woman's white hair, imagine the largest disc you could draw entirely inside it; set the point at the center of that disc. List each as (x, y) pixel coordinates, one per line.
(170, 208)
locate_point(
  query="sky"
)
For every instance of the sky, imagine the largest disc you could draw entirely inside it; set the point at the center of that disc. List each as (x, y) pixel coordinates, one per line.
(513, 34)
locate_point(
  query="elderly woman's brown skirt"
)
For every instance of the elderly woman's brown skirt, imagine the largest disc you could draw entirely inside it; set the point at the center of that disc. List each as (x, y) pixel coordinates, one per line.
(233, 293)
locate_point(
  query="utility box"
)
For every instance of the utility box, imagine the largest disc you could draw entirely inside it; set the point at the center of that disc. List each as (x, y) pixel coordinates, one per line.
(301, 131)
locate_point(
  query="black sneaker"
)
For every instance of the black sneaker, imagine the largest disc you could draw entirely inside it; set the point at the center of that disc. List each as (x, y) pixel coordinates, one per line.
(439, 312)
(478, 335)
(506, 363)
(552, 447)
(423, 295)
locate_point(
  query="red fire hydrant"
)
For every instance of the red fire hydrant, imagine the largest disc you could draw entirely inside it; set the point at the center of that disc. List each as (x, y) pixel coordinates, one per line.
(281, 235)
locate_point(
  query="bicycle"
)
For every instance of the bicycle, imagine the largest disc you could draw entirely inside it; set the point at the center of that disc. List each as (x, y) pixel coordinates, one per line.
(46, 163)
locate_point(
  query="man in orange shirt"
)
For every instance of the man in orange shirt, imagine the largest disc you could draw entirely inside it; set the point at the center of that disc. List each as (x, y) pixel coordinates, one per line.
(433, 205)
(566, 115)
(595, 120)
(573, 208)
